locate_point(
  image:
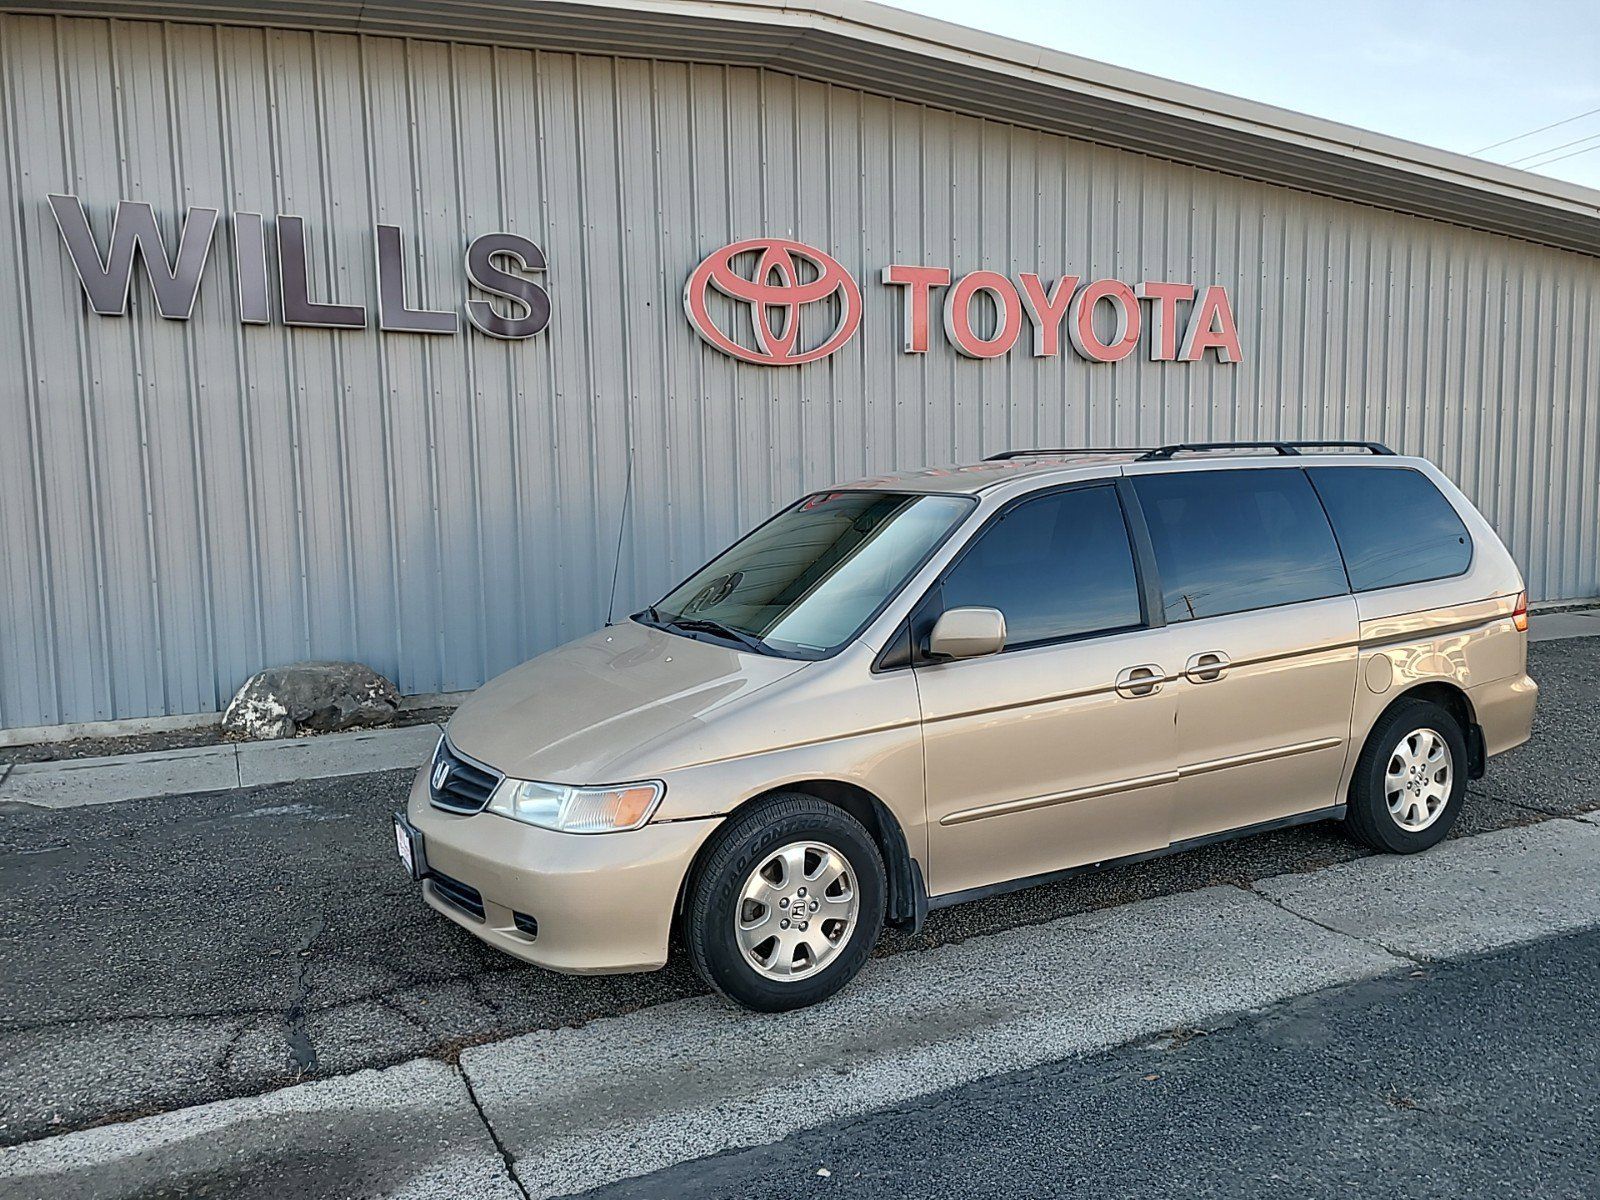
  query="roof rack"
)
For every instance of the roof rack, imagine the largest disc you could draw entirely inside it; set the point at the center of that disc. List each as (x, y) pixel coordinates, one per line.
(1162, 453)
(1005, 454)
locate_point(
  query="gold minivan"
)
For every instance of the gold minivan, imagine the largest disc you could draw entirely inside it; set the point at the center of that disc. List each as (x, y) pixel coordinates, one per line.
(911, 691)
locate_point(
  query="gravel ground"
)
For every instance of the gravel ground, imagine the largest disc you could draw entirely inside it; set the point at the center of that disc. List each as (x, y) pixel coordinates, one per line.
(164, 952)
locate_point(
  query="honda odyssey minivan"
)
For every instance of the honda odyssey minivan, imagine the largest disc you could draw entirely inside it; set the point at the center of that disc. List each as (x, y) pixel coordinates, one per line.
(911, 691)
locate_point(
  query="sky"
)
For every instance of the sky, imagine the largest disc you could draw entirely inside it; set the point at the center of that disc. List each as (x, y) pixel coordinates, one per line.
(1459, 75)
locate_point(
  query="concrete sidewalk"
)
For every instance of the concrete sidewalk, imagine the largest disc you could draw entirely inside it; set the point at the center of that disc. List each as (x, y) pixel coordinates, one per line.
(75, 782)
(562, 1110)
(1553, 626)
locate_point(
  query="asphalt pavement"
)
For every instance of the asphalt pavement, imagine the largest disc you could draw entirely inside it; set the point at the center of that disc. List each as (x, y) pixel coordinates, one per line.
(160, 953)
(557, 1111)
(1470, 1078)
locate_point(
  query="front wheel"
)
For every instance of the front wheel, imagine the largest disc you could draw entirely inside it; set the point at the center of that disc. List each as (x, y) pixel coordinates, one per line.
(1410, 780)
(787, 905)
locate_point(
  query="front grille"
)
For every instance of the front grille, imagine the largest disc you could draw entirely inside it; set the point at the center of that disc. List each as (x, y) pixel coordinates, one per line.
(457, 784)
(462, 895)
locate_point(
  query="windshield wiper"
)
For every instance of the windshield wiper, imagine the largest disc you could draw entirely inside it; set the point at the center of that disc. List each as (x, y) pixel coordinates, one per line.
(707, 625)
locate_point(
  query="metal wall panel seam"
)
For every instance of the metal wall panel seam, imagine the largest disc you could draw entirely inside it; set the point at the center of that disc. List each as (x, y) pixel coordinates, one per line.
(627, 519)
(597, 538)
(209, 699)
(670, 476)
(384, 388)
(441, 600)
(108, 687)
(247, 460)
(40, 557)
(469, 354)
(340, 388)
(518, 549)
(270, 80)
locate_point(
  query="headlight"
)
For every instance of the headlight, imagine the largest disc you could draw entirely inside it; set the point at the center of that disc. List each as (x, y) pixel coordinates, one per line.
(577, 809)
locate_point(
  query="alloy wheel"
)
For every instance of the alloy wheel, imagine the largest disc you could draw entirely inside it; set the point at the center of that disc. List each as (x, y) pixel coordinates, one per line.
(796, 910)
(1419, 779)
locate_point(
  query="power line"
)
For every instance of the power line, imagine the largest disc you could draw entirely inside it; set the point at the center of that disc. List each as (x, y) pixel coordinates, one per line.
(1560, 158)
(1541, 129)
(1551, 149)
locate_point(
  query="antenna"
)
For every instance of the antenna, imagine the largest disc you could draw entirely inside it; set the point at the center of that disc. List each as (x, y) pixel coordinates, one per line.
(622, 523)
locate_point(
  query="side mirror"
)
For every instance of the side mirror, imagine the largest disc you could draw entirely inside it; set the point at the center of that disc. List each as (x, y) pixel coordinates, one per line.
(968, 633)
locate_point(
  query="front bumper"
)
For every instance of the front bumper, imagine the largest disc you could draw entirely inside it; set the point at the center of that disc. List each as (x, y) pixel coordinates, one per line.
(604, 903)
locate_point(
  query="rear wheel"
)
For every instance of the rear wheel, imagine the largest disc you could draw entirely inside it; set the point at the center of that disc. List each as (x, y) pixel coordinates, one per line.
(1410, 780)
(787, 905)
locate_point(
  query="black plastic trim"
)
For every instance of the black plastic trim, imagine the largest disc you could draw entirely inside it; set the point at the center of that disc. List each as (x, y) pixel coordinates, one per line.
(1333, 813)
(1477, 751)
(1006, 455)
(1288, 449)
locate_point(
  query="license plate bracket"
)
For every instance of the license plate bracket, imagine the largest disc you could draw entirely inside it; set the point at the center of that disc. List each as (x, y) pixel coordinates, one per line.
(408, 843)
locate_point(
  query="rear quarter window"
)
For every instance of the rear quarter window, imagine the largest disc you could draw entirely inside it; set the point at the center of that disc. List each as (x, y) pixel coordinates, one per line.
(1394, 526)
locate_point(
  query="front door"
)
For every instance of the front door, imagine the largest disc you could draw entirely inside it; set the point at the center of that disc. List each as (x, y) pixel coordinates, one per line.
(1060, 750)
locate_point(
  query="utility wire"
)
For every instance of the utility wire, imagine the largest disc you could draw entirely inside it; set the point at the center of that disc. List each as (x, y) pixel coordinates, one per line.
(1560, 157)
(1541, 129)
(1550, 150)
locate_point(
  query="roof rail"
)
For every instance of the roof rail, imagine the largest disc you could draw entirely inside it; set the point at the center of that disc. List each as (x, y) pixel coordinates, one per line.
(1005, 454)
(1369, 447)
(1162, 453)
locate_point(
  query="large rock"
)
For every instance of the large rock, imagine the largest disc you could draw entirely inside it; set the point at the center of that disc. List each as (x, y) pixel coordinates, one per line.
(321, 696)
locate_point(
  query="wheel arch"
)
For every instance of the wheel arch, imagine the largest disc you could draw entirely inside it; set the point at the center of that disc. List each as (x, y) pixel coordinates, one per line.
(1451, 697)
(907, 901)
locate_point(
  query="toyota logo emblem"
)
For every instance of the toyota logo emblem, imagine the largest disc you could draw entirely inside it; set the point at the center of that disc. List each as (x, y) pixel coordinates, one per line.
(787, 277)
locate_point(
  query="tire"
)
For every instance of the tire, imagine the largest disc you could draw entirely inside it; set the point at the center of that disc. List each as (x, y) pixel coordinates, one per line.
(1400, 749)
(752, 874)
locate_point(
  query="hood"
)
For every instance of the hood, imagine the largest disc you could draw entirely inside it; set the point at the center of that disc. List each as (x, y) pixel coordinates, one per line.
(627, 702)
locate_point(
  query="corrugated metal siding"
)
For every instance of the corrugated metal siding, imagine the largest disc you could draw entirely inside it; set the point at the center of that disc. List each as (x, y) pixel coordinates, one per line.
(182, 504)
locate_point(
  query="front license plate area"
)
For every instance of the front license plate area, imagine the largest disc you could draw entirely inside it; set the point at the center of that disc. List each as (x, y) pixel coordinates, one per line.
(408, 842)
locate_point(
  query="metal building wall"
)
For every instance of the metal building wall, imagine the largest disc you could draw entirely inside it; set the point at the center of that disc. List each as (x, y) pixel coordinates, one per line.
(184, 503)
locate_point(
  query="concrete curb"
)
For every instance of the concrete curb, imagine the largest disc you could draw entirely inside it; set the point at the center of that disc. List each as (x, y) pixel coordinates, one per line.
(76, 782)
(560, 1110)
(1553, 626)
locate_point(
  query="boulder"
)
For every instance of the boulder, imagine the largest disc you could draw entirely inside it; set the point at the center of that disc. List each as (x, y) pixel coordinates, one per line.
(310, 696)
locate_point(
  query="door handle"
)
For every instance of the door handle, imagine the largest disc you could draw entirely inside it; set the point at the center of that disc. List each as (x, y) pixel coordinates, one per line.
(1206, 667)
(1143, 680)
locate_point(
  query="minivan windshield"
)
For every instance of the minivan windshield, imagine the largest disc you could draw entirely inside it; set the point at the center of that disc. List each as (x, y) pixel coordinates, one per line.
(808, 580)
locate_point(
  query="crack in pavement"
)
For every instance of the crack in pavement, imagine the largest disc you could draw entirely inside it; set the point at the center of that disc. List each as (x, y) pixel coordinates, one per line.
(226, 1014)
(224, 1057)
(1370, 943)
(301, 1050)
(494, 1136)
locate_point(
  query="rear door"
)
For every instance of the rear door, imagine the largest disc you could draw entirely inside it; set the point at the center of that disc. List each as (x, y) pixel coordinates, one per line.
(1057, 751)
(1255, 592)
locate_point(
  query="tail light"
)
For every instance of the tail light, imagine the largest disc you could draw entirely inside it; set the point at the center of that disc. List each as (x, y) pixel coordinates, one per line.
(1519, 614)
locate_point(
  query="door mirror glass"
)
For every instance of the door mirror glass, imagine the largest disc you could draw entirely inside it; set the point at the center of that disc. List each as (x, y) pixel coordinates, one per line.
(968, 633)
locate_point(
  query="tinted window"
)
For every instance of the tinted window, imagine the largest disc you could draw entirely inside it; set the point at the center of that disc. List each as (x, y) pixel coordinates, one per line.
(1056, 567)
(1393, 525)
(1228, 541)
(807, 580)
